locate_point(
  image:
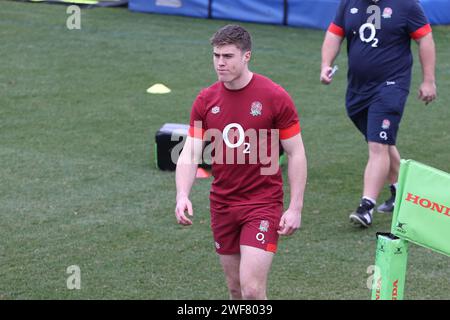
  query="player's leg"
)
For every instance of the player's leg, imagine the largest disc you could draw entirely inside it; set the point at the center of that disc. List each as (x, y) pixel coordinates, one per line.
(393, 101)
(258, 243)
(383, 119)
(226, 233)
(254, 270)
(377, 169)
(394, 168)
(375, 175)
(231, 266)
(382, 125)
(362, 216)
(388, 205)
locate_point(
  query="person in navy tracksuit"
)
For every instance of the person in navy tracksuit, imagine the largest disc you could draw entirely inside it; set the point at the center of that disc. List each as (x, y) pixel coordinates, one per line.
(379, 34)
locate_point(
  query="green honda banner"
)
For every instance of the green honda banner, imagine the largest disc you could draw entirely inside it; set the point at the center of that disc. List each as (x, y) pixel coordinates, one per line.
(390, 267)
(422, 206)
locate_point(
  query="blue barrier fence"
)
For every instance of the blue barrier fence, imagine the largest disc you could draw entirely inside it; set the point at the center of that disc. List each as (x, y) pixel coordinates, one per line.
(299, 13)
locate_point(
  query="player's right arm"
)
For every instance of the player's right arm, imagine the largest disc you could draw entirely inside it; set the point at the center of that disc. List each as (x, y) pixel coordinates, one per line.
(332, 43)
(186, 170)
(330, 50)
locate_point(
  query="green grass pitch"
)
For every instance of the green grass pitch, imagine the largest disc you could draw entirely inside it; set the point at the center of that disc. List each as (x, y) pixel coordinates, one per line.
(78, 184)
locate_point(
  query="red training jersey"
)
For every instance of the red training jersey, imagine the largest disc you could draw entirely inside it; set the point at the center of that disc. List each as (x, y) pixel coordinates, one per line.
(245, 126)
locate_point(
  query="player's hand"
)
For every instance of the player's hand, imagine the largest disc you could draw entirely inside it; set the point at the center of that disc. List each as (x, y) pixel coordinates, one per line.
(325, 75)
(427, 92)
(290, 222)
(183, 204)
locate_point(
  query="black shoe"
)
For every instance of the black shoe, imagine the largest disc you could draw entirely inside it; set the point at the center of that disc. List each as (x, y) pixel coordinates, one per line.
(388, 205)
(363, 214)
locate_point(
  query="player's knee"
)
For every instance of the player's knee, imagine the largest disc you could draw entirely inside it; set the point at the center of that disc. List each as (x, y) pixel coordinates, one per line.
(234, 288)
(235, 293)
(253, 292)
(377, 149)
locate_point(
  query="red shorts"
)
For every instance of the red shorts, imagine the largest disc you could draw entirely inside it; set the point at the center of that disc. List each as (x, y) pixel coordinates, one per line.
(251, 225)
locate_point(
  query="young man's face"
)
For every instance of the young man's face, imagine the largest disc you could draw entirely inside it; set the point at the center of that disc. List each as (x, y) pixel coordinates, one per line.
(230, 62)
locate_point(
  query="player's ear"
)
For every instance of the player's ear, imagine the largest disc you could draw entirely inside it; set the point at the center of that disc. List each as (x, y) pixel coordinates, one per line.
(247, 56)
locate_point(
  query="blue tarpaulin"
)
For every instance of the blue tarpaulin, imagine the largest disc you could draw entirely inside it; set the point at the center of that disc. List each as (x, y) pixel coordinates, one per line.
(437, 11)
(311, 13)
(193, 8)
(298, 13)
(252, 11)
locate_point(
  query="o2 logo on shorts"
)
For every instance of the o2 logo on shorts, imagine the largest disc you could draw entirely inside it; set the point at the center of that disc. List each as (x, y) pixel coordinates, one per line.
(383, 135)
(260, 237)
(263, 227)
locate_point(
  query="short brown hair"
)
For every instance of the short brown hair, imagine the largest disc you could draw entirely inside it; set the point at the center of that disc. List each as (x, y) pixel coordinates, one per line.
(232, 34)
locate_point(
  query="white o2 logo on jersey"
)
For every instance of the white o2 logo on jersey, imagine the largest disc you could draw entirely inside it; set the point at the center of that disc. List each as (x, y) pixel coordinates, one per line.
(373, 23)
(227, 129)
(373, 33)
(240, 141)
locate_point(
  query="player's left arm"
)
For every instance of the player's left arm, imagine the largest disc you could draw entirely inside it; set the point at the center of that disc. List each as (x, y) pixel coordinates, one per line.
(427, 55)
(419, 29)
(297, 173)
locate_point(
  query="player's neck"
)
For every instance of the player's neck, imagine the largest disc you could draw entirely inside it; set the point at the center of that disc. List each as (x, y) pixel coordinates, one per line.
(240, 82)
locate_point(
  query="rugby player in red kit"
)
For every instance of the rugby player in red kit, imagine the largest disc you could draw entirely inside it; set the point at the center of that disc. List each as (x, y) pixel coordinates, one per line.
(246, 116)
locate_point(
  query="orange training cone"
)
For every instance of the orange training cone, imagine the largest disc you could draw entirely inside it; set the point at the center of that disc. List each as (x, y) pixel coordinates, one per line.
(202, 173)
